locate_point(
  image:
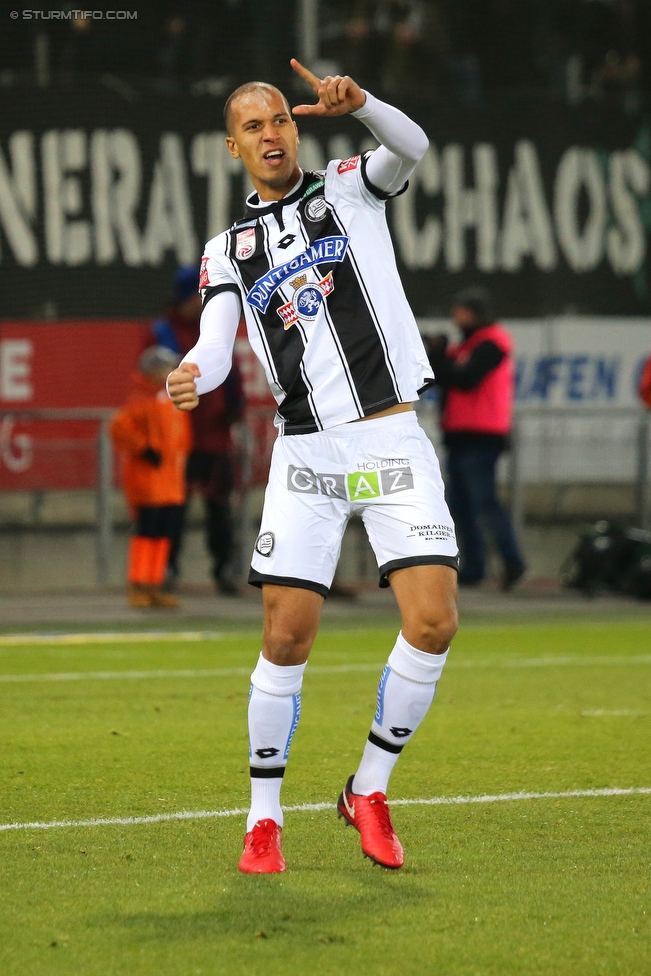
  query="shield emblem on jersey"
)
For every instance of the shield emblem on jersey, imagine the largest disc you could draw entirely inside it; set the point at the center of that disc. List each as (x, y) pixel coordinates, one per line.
(245, 244)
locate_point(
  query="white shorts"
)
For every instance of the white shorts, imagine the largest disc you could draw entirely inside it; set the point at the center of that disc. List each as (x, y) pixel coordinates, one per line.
(385, 470)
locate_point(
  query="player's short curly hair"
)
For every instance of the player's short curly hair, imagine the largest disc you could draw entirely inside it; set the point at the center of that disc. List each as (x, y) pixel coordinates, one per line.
(248, 89)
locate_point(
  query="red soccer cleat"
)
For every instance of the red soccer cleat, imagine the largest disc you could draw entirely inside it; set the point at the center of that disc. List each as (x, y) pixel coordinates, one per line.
(262, 851)
(370, 816)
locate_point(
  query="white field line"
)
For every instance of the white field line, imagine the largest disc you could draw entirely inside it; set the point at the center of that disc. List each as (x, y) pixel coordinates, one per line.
(186, 673)
(318, 807)
(117, 637)
(535, 662)
(607, 713)
(148, 636)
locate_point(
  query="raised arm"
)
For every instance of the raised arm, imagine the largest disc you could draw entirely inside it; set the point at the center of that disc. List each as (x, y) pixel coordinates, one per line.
(209, 362)
(403, 142)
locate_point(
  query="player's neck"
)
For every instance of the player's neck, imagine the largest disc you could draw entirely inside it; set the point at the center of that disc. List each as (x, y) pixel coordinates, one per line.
(269, 194)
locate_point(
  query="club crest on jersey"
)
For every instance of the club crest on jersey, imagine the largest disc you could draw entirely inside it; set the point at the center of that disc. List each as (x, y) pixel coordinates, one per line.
(323, 251)
(307, 299)
(316, 209)
(245, 244)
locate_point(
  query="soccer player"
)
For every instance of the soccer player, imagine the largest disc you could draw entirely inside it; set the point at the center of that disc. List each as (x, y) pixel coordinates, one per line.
(312, 267)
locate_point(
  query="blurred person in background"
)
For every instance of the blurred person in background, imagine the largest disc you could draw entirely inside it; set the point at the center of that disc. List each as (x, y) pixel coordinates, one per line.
(416, 44)
(210, 468)
(173, 54)
(395, 45)
(153, 440)
(644, 388)
(477, 379)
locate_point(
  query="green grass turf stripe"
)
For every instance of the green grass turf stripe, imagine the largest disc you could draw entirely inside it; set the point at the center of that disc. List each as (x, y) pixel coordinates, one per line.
(318, 807)
(536, 662)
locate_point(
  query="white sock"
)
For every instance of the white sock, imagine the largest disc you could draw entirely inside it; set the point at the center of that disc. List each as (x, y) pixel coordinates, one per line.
(405, 693)
(274, 710)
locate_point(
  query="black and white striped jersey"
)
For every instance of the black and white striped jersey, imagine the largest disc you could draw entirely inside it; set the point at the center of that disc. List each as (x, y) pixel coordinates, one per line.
(325, 309)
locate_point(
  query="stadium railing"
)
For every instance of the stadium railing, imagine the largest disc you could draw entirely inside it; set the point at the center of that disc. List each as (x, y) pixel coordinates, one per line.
(573, 448)
(104, 475)
(561, 448)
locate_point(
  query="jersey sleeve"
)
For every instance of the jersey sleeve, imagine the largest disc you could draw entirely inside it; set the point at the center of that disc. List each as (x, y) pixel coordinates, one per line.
(384, 172)
(214, 275)
(345, 180)
(213, 352)
(354, 178)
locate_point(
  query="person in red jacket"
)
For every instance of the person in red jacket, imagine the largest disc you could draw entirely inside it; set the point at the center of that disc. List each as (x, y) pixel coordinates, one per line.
(645, 384)
(477, 379)
(210, 465)
(154, 440)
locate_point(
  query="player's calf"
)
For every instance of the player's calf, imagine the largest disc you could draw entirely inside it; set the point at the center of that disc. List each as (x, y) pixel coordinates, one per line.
(274, 711)
(405, 693)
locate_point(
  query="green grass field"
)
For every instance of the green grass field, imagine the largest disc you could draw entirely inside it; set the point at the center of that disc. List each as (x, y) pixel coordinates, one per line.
(529, 886)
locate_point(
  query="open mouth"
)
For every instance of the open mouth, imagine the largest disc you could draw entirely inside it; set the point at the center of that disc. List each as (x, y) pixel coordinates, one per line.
(274, 156)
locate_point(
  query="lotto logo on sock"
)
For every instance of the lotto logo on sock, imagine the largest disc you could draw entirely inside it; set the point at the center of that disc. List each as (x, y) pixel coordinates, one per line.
(400, 733)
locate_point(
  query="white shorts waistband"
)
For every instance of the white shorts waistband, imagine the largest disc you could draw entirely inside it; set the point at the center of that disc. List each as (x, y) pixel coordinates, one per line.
(363, 428)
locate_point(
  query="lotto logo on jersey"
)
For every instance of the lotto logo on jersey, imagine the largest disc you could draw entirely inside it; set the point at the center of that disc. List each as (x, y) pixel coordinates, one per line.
(325, 250)
(307, 300)
(347, 164)
(204, 281)
(245, 244)
(358, 486)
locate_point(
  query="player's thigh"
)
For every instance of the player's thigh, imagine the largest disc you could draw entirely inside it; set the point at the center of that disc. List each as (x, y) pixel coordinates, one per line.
(427, 597)
(301, 529)
(410, 523)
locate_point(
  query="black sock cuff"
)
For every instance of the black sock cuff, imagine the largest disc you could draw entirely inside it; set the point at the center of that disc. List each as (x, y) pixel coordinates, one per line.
(383, 744)
(267, 772)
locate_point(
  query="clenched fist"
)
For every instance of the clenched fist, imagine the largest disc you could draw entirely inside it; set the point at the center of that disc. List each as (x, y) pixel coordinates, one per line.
(182, 388)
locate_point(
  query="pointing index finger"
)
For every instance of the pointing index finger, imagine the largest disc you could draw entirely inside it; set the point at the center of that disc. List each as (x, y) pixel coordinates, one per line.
(305, 74)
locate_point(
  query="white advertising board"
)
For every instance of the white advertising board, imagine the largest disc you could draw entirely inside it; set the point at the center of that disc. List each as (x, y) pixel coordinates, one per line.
(577, 404)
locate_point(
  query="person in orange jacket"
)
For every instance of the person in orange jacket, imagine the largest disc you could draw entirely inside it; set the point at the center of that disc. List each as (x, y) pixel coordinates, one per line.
(154, 440)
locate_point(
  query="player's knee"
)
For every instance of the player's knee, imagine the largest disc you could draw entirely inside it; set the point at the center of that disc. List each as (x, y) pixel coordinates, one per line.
(434, 630)
(284, 646)
(291, 620)
(287, 640)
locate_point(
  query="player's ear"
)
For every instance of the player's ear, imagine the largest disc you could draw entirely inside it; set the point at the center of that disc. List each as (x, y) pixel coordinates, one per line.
(232, 147)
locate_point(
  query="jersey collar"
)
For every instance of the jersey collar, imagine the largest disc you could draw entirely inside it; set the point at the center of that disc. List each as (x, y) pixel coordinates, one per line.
(256, 209)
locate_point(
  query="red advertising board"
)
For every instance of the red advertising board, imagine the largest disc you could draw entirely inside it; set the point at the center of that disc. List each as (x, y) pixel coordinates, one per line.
(85, 365)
